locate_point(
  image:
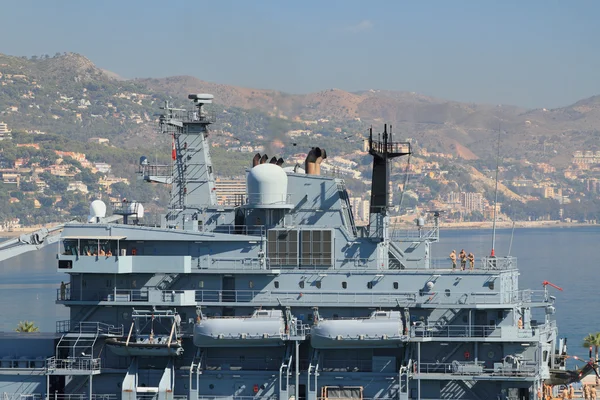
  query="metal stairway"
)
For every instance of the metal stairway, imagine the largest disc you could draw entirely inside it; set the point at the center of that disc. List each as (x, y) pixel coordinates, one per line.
(167, 281)
(130, 389)
(313, 373)
(347, 215)
(446, 318)
(404, 376)
(396, 256)
(285, 372)
(195, 372)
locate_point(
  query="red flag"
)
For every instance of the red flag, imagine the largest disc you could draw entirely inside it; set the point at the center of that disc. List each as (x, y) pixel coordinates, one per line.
(173, 151)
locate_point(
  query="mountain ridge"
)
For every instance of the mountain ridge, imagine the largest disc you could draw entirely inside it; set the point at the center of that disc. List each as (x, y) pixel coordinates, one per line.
(435, 123)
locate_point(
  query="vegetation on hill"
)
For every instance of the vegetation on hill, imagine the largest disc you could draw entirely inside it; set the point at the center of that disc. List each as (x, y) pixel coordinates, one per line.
(62, 102)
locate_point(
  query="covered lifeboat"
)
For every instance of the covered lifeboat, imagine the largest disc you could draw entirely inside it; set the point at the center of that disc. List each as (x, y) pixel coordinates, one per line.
(262, 328)
(380, 329)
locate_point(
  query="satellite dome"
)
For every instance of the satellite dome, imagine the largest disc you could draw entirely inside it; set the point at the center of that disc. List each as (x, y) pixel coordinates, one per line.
(97, 210)
(430, 285)
(136, 209)
(267, 185)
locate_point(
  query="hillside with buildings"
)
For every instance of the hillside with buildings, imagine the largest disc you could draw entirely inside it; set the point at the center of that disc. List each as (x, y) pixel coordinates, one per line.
(70, 132)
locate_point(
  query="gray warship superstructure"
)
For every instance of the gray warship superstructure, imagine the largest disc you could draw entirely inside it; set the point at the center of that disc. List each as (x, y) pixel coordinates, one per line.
(280, 297)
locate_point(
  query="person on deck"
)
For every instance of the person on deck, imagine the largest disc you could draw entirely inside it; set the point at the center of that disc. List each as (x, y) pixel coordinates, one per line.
(453, 258)
(463, 259)
(471, 259)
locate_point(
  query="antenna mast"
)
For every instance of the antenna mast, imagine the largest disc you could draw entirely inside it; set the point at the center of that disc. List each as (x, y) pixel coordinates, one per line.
(493, 254)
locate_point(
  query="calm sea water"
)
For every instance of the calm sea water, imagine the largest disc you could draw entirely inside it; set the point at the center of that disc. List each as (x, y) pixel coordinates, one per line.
(563, 256)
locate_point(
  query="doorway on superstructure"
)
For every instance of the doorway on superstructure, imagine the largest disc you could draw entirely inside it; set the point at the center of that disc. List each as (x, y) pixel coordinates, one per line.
(228, 289)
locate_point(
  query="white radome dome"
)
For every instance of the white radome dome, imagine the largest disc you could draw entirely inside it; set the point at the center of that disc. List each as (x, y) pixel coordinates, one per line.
(267, 184)
(97, 210)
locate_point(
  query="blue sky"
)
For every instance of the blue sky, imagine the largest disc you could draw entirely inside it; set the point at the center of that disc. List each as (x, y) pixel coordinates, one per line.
(528, 53)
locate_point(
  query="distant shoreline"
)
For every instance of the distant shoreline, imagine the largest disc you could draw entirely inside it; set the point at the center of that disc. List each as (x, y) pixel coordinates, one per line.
(509, 224)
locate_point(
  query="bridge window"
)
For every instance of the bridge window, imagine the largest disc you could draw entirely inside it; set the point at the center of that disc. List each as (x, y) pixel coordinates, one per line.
(344, 285)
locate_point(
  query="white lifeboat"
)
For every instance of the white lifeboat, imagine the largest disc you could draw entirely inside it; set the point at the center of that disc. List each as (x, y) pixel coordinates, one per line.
(381, 329)
(262, 328)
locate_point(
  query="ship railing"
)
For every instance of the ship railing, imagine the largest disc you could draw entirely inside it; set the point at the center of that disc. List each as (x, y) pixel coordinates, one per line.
(485, 263)
(193, 116)
(424, 331)
(389, 146)
(21, 396)
(231, 263)
(242, 363)
(21, 363)
(252, 230)
(147, 396)
(346, 366)
(476, 331)
(95, 327)
(499, 263)
(529, 296)
(73, 364)
(81, 396)
(298, 329)
(305, 296)
(271, 397)
(397, 233)
(477, 368)
(266, 199)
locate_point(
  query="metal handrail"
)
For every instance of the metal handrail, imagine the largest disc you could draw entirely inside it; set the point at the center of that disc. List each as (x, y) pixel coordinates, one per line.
(68, 326)
(311, 294)
(73, 364)
(237, 229)
(476, 368)
(268, 198)
(483, 331)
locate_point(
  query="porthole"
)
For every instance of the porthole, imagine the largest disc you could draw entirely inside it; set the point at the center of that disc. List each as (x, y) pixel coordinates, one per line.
(369, 285)
(250, 284)
(395, 285)
(491, 285)
(276, 284)
(491, 354)
(125, 315)
(344, 285)
(301, 284)
(211, 386)
(447, 292)
(318, 284)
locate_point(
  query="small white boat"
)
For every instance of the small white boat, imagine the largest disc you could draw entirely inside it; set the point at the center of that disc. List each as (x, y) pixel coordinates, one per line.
(381, 329)
(163, 339)
(262, 328)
